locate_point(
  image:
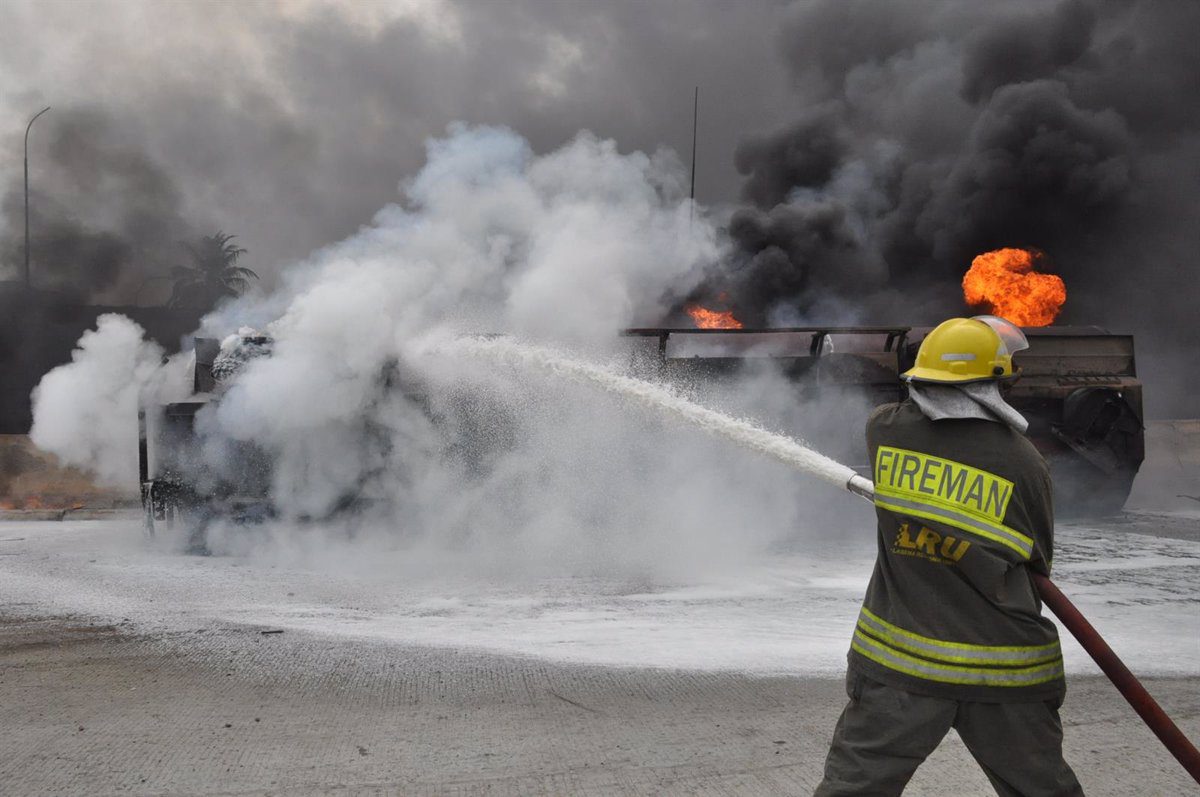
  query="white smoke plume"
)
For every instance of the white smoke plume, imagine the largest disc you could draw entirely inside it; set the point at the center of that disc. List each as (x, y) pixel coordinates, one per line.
(86, 411)
(442, 454)
(574, 243)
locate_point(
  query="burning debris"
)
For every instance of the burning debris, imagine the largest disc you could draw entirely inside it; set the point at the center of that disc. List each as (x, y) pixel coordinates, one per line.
(1006, 283)
(712, 319)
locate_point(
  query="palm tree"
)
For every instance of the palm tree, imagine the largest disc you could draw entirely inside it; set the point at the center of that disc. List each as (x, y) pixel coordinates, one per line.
(213, 274)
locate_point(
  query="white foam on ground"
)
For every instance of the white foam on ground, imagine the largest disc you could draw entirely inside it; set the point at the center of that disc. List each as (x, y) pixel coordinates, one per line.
(786, 614)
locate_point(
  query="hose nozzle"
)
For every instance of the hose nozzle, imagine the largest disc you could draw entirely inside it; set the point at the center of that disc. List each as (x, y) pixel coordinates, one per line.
(862, 487)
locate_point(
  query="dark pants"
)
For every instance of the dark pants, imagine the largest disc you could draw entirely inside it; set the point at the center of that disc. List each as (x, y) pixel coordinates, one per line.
(885, 733)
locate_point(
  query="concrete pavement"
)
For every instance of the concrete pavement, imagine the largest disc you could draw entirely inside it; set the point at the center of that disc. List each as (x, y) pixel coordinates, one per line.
(92, 709)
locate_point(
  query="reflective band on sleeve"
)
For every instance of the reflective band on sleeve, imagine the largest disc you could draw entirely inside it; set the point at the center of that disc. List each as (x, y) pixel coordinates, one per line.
(893, 659)
(955, 652)
(941, 490)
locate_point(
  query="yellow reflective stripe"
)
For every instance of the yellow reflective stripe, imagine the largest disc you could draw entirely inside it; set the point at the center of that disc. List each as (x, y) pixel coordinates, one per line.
(904, 505)
(961, 652)
(946, 673)
(954, 645)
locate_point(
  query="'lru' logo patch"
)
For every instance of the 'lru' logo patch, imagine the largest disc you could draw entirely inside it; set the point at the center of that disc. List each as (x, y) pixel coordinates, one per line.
(926, 543)
(942, 481)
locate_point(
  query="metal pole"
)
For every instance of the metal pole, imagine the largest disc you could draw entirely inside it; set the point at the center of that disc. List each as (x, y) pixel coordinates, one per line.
(28, 284)
(695, 124)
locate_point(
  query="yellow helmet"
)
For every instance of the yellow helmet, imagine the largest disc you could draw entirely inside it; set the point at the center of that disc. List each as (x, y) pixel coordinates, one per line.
(968, 350)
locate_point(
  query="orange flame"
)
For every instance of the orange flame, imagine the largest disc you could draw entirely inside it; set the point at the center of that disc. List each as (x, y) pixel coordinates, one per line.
(712, 319)
(1004, 283)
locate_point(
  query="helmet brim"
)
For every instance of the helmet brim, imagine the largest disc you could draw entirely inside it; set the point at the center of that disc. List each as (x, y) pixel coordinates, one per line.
(942, 377)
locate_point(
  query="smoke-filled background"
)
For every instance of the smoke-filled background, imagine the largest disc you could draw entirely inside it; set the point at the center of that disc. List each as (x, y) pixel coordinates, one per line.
(402, 173)
(291, 123)
(858, 153)
(926, 133)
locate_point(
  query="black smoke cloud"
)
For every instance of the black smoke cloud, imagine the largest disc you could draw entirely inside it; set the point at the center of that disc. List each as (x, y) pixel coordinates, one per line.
(933, 131)
(776, 165)
(1035, 167)
(105, 217)
(1026, 47)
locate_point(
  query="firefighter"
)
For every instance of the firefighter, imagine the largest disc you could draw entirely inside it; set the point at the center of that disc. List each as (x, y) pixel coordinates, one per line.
(951, 634)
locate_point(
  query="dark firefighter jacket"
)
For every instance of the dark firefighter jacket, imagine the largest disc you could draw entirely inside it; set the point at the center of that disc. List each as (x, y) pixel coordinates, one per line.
(964, 513)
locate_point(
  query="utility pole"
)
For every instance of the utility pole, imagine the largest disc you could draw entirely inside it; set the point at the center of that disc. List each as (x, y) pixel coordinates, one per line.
(28, 284)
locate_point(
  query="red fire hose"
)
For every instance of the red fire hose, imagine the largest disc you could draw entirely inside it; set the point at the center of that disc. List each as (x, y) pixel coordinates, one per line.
(1126, 682)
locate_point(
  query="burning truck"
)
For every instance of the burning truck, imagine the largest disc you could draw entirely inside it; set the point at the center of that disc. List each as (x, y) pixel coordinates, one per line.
(196, 478)
(1078, 389)
(1078, 385)
(174, 479)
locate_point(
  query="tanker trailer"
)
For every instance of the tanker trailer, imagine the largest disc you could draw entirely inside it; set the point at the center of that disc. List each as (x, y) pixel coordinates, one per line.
(1078, 388)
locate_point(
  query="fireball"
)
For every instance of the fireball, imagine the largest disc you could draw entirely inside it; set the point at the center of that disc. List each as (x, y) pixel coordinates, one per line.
(1004, 283)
